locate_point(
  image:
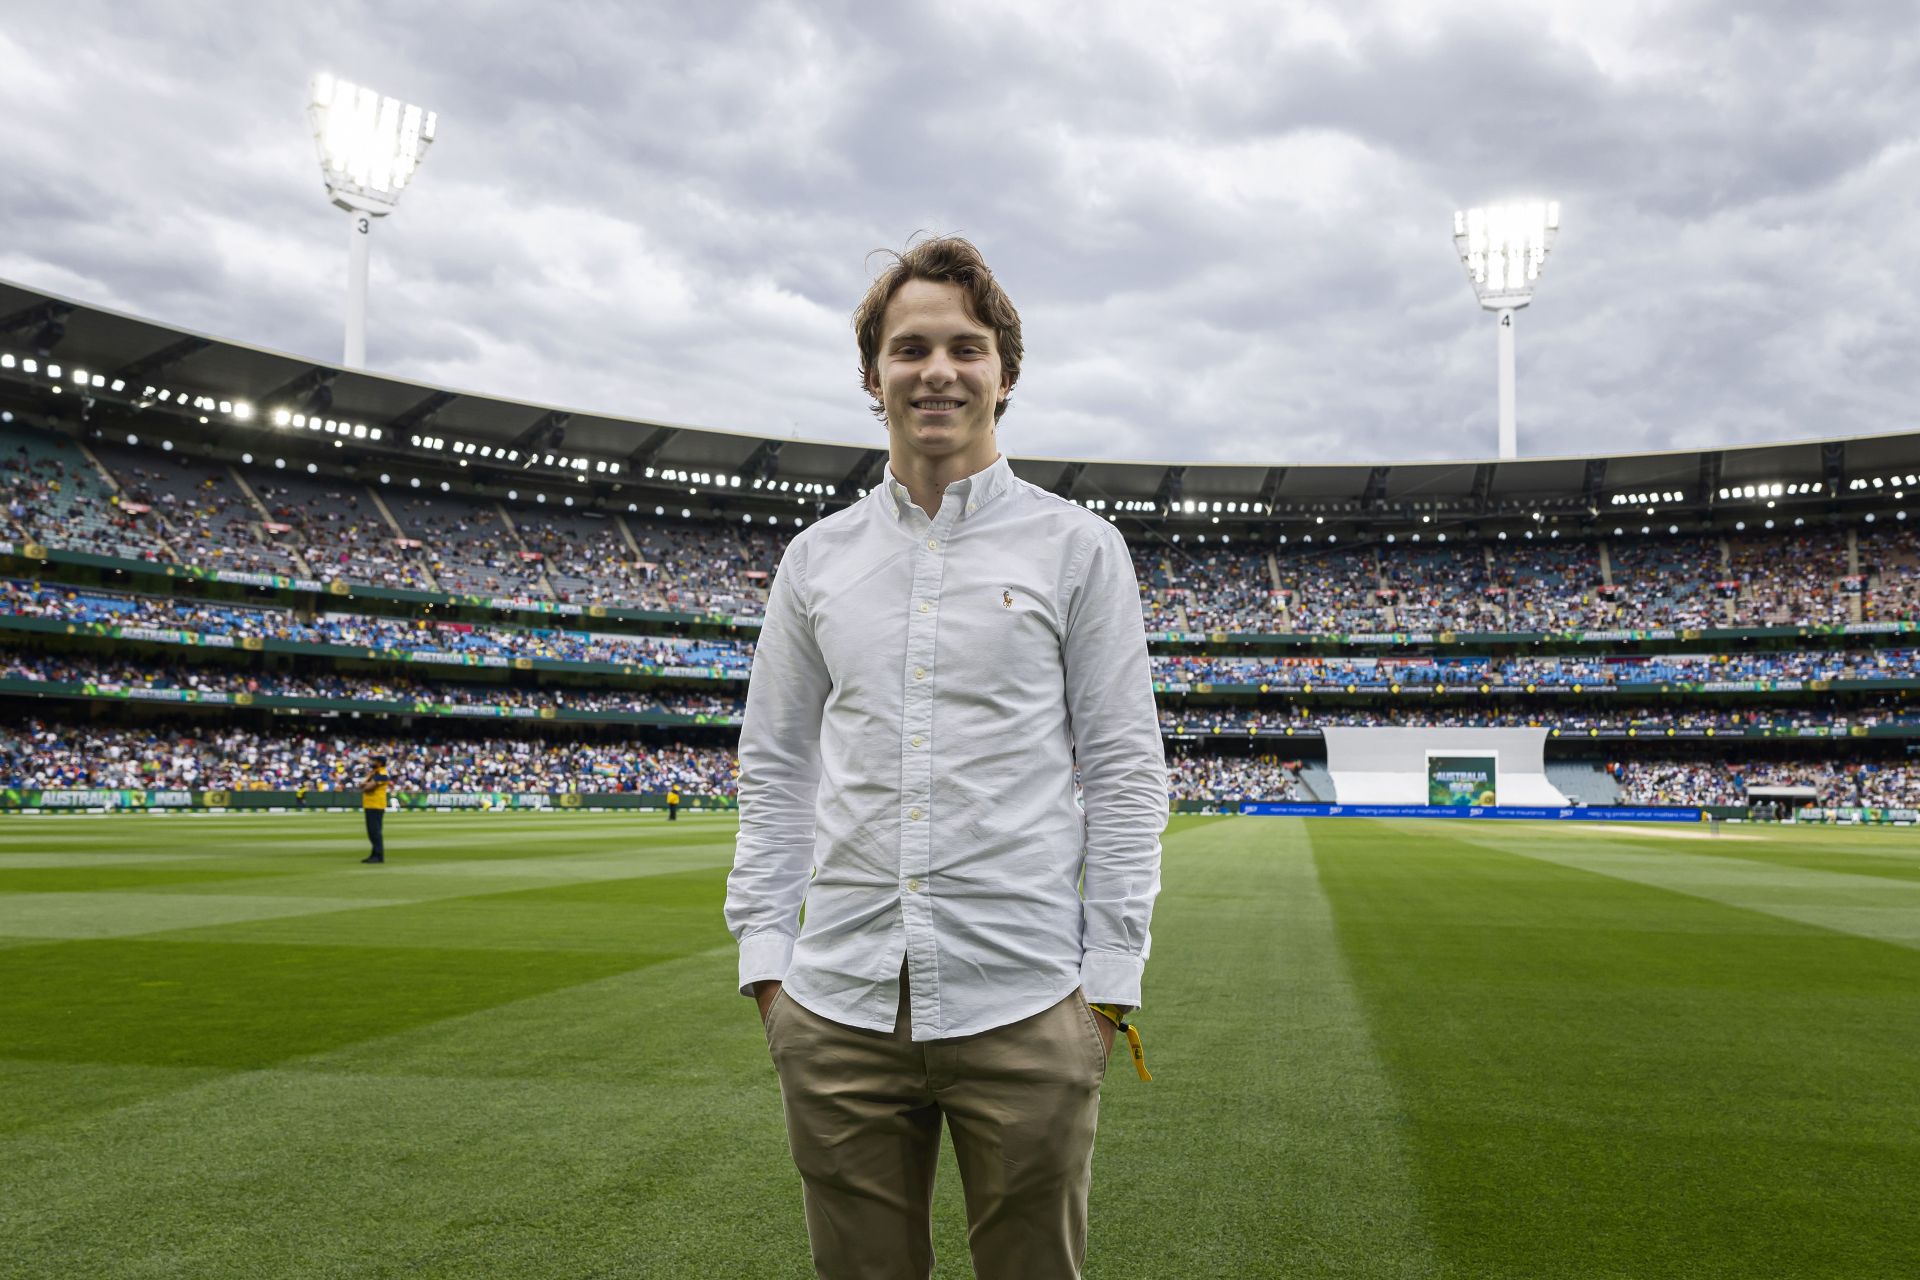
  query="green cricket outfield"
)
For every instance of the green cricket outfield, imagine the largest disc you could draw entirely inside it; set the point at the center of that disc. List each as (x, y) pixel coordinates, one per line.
(1381, 1049)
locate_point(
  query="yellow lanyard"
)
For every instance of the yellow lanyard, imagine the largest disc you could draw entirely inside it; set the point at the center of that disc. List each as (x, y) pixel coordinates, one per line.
(1112, 1014)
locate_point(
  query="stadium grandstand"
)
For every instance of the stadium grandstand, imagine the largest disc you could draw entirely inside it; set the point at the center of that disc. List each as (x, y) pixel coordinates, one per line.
(229, 575)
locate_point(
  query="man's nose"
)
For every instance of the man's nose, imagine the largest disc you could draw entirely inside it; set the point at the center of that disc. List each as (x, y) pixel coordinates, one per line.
(939, 370)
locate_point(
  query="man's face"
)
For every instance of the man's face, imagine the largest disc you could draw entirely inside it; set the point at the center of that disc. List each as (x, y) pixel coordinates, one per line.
(938, 373)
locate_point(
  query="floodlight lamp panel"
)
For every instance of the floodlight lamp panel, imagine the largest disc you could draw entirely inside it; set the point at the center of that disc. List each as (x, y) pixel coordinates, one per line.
(1504, 248)
(369, 144)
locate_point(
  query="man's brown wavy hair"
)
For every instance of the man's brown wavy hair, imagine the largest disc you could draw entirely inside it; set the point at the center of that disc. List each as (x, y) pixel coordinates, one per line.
(946, 260)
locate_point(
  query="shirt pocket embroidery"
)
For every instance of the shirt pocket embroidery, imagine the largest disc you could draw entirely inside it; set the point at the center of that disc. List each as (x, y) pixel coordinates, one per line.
(998, 642)
(1014, 625)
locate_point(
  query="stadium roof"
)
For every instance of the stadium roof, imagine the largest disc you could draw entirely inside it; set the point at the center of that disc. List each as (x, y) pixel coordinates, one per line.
(428, 425)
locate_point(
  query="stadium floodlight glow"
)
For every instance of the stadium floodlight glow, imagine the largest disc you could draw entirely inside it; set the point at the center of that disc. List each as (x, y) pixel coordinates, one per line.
(1503, 248)
(369, 147)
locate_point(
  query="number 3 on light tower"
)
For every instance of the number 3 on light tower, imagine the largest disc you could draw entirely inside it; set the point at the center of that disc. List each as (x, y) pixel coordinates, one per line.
(363, 225)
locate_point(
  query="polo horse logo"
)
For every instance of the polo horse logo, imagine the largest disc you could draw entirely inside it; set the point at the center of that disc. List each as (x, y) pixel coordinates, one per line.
(1006, 599)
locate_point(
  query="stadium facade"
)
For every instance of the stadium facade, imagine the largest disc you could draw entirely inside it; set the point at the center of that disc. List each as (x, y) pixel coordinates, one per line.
(232, 573)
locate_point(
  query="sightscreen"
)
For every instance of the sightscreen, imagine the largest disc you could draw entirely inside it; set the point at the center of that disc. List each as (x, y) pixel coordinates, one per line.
(1404, 766)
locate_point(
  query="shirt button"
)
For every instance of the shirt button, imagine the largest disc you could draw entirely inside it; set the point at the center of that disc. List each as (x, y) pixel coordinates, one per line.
(933, 544)
(923, 606)
(919, 673)
(916, 739)
(913, 886)
(914, 814)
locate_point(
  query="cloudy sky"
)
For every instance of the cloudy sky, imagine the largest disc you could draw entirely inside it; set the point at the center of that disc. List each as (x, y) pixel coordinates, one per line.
(1227, 226)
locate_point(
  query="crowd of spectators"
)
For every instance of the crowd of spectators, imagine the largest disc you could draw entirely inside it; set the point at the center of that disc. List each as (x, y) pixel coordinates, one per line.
(1441, 588)
(1890, 563)
(587, 559)
(1836, 784)
(1332, 591)
(469, 547)
(339, 532)
(731, 658)
(209, 521)
(62, 754)
(1552, 586)
(1226, 589)
(55, 497)
(1564, 671)
(1669, 582)
(1193, 776)
(1789, 578)
(362, 631)
(1161, 609)
(197, 513)
(1203, 718)
(701, 568)
(54, 753)
(112, 675)
(119, 673)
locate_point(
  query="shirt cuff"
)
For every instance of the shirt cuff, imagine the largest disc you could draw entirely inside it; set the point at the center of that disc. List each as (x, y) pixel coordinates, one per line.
(1111, 977)
(764, 957)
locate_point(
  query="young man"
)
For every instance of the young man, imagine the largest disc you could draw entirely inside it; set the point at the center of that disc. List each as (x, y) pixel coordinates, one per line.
(935, 661)
(373, 799)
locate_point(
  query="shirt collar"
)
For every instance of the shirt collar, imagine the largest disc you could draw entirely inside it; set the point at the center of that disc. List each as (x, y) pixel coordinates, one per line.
(974, 492)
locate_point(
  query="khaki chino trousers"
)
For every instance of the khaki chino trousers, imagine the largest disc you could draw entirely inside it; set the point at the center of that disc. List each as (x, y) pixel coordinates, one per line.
(863, 1115)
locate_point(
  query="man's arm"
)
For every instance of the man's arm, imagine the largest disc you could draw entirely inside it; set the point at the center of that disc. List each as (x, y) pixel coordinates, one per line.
(779, 778)
(1123, 768)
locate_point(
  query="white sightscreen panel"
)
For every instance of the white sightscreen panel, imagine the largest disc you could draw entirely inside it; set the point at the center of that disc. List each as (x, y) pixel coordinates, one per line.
(1389, 766)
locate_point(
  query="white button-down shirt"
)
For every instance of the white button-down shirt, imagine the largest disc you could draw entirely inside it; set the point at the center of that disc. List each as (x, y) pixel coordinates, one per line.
(921, 692)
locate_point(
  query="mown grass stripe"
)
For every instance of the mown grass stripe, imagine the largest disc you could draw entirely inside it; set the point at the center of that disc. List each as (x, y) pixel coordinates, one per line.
(614, 1127)
(1609, 1079)
(117, 915)
(1268, 1142)
(1847, 900)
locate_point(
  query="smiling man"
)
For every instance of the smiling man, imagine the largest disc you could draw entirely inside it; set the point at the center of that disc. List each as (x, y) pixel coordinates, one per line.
(937, 659)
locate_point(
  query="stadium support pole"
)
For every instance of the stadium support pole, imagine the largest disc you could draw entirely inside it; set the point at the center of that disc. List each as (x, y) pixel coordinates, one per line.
(1509, 433)
(359, 236)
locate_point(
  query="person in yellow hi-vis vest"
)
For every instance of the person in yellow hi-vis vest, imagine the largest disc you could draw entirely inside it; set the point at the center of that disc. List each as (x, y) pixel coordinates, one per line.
(673, 804)
(373, 800)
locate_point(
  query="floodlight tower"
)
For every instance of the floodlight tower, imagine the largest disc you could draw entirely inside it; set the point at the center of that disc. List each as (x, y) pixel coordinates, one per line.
(1503, 248)
(369, 147)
